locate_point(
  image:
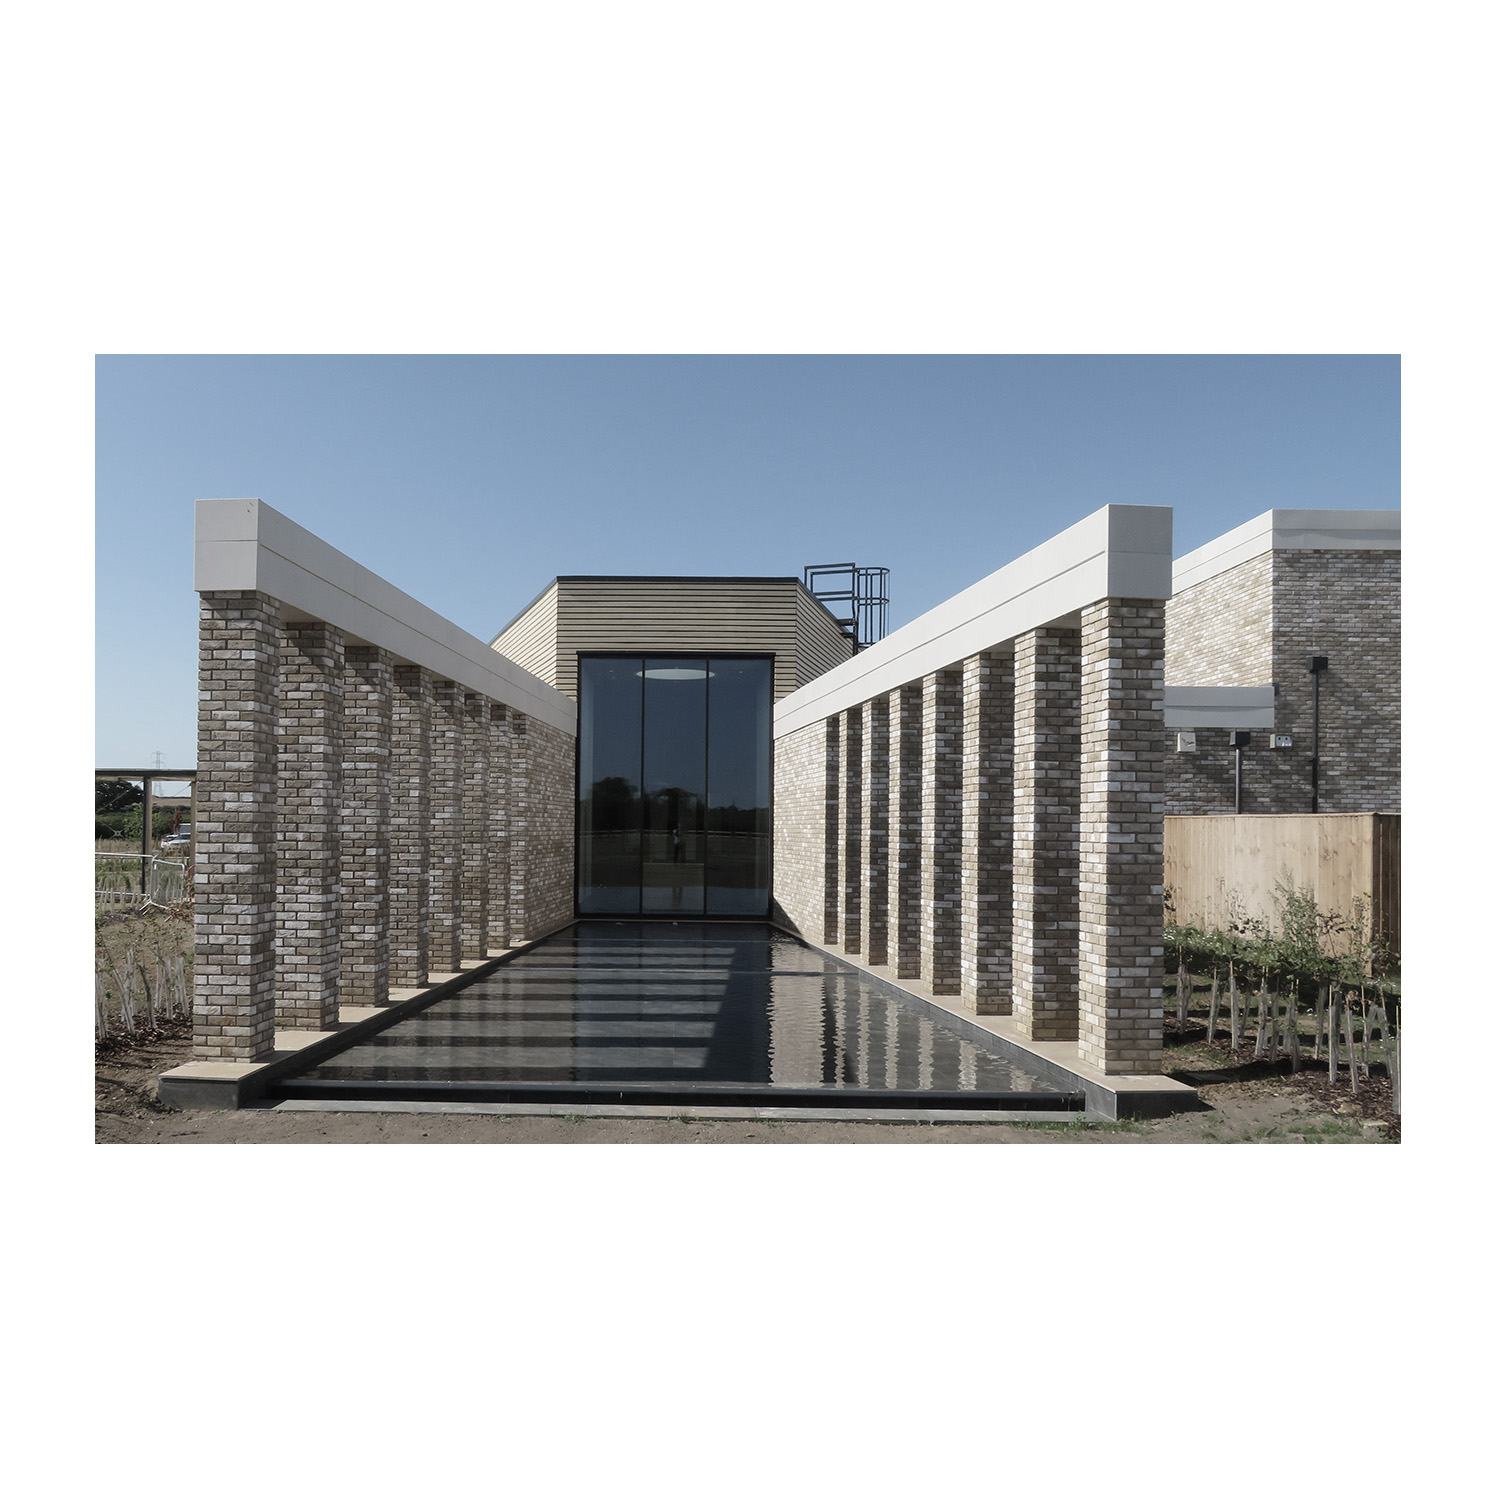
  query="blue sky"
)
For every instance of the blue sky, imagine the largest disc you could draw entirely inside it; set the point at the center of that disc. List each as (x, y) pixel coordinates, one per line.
(469, 481)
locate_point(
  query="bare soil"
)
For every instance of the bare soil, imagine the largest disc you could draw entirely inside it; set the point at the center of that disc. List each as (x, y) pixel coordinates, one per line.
(1192, 1058)
(1244, 1110)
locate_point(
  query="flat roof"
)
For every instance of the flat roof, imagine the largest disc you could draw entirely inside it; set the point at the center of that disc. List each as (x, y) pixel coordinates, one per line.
(664, 578)
(1289, 531)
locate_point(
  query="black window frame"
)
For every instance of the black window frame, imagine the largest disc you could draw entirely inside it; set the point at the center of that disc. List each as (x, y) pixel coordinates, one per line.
(640, 654)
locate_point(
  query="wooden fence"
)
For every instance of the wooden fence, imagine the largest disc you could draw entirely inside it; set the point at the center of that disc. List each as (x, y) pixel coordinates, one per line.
(1214, 861)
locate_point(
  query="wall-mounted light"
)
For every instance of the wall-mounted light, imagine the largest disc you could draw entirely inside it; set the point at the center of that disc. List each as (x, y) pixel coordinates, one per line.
(1317, 665)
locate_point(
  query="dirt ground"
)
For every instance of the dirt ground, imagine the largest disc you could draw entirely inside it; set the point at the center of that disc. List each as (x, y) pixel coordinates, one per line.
(1248, 1105)
(1243, 1101)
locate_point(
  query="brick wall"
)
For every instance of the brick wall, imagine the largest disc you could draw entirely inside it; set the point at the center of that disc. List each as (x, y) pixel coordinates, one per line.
(504, 788)
(875, 824)
(1008, 810)
(988, 823)
(541, 854)
(1045, 925)
(942, 828)
(801, 843)
(1346, 606)
(361, 826)
(365, 828)
(478, 794)
(1120, 826)
(904, 941)
(234, 828)
(1259, 622)
(851, 827)
(411, 825)
(309, 759)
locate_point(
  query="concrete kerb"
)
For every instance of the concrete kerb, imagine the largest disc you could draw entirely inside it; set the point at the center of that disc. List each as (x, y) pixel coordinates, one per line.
(1106, 1096)
(223, 1085)
(696, 1112)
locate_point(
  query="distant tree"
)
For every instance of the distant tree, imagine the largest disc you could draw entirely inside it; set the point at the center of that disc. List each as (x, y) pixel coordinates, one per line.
(161, 822)
(117, 796)
(613, 802)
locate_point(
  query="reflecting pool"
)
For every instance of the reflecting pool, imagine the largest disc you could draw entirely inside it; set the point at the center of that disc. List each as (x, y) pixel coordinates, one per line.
(650, 1010)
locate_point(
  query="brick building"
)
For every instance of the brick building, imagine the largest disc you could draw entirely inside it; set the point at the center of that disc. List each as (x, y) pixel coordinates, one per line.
(1254, 611)
(972, 807)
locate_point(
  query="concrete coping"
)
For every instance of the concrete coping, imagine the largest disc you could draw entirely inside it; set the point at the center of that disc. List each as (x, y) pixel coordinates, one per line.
(1286, 530)
(1118, 552)
(245, 545)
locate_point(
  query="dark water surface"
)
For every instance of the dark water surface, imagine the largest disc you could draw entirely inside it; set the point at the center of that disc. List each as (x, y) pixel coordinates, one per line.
(625, 1008)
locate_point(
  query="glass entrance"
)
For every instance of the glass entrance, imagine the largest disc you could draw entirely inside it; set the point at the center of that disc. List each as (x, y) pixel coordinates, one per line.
(674, 785)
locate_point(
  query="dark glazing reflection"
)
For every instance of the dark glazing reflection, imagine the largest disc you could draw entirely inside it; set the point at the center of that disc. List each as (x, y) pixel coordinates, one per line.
(674, 785)
(690, 1003)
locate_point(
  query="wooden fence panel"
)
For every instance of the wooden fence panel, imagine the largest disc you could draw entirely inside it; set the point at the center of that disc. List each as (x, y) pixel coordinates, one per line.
(1340, 856)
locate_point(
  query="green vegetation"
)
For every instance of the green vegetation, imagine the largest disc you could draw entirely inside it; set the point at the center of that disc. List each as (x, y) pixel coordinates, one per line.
(1304, 949)
(119, 807)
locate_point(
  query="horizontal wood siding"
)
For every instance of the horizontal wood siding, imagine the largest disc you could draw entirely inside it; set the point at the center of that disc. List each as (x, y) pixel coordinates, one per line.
(769, 616)
(1340, 856)
(605, 615)
(821, 644)
(531, 639)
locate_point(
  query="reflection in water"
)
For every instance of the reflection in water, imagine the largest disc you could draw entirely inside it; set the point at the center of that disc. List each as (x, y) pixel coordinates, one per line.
(691, 1003)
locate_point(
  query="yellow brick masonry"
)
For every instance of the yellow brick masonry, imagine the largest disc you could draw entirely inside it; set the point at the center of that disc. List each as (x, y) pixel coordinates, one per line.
(806, 830)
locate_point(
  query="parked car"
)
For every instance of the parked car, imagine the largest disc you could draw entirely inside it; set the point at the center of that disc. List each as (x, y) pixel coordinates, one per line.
(179, 840)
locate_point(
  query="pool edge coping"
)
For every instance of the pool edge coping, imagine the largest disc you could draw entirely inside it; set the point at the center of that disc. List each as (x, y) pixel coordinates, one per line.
(204, 1084)
(1106, 1096)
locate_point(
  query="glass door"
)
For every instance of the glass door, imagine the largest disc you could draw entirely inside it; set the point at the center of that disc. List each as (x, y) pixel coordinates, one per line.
(674, 785)
(674, 762)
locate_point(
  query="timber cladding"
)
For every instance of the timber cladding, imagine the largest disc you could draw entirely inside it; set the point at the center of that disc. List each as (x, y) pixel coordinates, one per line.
(747, 616)
(1217, 862)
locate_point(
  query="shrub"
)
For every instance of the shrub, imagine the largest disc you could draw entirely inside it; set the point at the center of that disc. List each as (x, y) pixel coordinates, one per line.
(1307, 947)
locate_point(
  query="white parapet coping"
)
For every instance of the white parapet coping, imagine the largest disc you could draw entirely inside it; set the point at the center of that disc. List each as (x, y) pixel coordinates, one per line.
(1119, 552)
(1289, 531)
(1221, 707)
(245, 545)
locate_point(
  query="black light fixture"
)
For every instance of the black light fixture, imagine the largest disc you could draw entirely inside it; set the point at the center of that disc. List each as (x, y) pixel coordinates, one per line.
(1317, 665)
(1239, 738)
